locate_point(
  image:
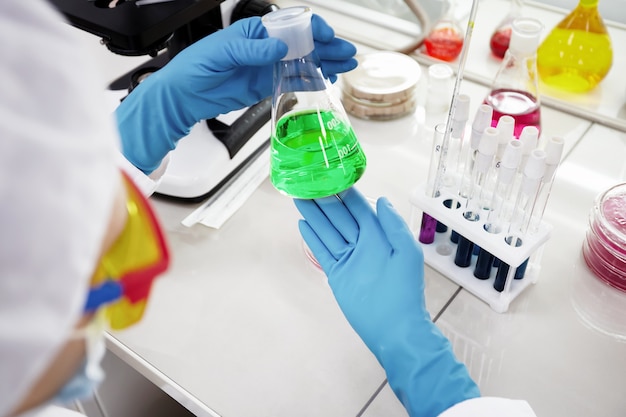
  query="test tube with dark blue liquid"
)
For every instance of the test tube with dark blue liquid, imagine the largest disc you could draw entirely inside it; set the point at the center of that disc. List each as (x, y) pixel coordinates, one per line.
(522, 210)
(509, 162)
(464, 249)
(484, 264)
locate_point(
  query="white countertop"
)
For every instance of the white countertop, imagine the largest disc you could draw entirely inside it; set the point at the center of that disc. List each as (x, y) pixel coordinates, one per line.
(244, 325)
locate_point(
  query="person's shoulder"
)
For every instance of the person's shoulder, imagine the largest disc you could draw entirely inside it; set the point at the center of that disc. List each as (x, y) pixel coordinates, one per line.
(490, 407)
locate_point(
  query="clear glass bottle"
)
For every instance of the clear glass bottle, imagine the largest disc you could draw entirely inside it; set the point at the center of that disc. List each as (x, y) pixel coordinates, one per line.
(515, 89)
(501, 37)
(577, 54)
(445, 39)
(314, 151)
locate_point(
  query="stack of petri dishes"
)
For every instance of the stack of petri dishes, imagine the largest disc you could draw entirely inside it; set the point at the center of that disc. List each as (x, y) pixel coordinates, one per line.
(604, 248)
(382, 87)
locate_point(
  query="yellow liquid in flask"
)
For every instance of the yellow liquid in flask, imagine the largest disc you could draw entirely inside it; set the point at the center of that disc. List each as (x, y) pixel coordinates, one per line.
(577, 54)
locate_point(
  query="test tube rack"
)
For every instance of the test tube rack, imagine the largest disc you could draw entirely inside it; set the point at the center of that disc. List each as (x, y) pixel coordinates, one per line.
(439, 256)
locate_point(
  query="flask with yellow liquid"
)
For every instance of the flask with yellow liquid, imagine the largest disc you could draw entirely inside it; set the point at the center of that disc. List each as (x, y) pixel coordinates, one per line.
(577, 54)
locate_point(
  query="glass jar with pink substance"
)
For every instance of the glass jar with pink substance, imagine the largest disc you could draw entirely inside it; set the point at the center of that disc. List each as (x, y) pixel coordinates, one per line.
(604, 248)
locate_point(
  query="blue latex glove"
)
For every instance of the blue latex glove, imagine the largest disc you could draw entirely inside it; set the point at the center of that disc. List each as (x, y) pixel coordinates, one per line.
(225, 71)
(376, 271)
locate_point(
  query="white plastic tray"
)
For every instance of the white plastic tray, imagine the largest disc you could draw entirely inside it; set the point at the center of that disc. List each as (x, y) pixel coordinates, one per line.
(494, 243)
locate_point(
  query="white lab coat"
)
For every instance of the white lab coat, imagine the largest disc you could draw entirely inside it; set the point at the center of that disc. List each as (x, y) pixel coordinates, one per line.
(51, 411)
(484, 407)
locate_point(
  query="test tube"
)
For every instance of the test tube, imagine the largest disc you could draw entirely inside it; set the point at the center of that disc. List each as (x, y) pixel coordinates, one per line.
(505, 126)
(522, 209)
(429, 223)
(482, 164)
(554, 152)
(506, 174)
(529, 138)
(482, 120)
(460, 115)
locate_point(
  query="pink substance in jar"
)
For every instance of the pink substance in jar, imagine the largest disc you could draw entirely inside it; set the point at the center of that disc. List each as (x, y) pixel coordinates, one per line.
(604, 249)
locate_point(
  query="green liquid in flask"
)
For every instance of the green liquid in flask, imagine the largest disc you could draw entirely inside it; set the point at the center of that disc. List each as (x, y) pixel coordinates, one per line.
(313, 161)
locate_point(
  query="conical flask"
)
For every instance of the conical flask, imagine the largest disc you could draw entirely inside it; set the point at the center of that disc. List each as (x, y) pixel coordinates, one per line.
(577, 54)
(445, 39)
(515, 89)
(500, 38)
(314, 151)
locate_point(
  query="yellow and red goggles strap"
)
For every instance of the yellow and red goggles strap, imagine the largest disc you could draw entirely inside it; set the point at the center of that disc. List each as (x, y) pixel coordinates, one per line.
(133, 285)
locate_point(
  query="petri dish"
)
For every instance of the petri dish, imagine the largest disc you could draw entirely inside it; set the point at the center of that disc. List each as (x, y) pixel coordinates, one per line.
(604, 248)
(382, 86)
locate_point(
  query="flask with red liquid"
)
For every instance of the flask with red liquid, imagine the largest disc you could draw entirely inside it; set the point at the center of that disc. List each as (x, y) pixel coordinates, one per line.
(445, 39)
(500, 38)
(515, 89)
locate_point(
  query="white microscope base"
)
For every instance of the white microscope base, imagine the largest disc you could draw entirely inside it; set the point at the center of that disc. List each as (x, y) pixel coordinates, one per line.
(200, 163)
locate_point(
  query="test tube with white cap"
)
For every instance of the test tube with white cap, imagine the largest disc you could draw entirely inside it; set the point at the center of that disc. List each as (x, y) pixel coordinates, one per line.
(460, 115)
(482, 120)
(506, 174)
(529, 138)
(505, 126)
(554, 151)
(482, 165)
(452, 179)
(522, 209)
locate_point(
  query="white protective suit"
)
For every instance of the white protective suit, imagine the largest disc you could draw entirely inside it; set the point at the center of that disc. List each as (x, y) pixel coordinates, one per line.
(58, 163)
(59, 171)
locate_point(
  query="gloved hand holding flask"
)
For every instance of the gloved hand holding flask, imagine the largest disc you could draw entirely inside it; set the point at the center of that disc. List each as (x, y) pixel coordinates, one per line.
(375, 269)
(225, 71)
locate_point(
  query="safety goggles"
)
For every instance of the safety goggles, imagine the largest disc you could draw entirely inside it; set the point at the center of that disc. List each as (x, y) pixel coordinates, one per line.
(122, 282)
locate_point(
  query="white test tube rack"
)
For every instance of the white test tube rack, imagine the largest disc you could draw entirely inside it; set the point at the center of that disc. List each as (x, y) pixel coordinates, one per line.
(494, 243)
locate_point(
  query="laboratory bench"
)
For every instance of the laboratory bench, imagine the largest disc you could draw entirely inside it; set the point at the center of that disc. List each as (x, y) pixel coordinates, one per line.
(243, 324)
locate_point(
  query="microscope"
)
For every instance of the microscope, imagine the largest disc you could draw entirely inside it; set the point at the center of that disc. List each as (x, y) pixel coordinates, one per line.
(215, 150)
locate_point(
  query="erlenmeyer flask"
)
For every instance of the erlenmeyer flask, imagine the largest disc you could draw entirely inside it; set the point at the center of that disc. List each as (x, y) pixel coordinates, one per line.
(314, 151)
(445, 39)
(515, 88)
(500, 38)
(577, 54)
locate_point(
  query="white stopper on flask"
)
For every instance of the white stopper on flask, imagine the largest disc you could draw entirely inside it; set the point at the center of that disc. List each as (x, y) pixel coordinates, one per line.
(460, 115)
(525, 35)
(292, 25)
